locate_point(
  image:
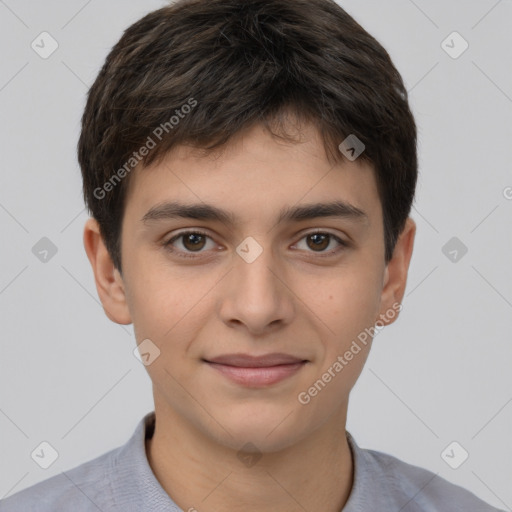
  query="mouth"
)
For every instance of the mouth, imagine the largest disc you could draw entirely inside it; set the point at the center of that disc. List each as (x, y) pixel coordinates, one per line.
(256, 371)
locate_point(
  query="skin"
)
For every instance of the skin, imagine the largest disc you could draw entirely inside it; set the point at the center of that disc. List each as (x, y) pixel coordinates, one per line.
(291, 299)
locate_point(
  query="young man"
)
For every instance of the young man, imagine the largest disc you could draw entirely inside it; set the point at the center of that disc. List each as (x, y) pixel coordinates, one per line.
(250, 167)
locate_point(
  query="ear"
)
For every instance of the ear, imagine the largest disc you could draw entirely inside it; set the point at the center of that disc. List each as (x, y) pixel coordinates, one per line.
(109, 281)
(395, 275)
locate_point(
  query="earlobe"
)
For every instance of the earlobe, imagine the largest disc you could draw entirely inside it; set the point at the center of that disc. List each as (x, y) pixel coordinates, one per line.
(109, 282)
(395, 278)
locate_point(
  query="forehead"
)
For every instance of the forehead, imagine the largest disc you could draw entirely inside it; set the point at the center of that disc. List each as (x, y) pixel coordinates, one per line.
(255, 176)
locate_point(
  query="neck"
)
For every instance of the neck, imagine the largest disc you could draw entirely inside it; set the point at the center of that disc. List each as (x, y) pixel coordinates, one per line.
(202, 475)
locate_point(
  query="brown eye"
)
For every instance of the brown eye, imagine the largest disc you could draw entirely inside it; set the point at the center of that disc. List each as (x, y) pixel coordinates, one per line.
(193, 241)
(318, 241)
(189, 243)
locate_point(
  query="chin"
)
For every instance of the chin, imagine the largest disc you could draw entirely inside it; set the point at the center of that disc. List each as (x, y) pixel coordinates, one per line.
(267, 432)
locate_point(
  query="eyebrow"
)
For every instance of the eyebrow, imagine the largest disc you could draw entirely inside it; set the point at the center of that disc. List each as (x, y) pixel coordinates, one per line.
(203, 211)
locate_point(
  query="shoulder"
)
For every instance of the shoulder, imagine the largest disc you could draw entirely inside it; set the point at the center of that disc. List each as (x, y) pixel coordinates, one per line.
(411, 488)
(83, 488)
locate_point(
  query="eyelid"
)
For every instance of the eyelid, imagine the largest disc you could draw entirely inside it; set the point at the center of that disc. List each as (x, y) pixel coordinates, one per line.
(324, 231)
(343, 244)
(168, 245)
(180, 234)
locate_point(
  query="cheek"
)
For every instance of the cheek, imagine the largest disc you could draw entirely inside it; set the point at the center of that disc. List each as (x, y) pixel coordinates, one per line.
(153, 305)
(347, 301)
(170, 310)
(162, 314)
(158, 297)
(348, 308)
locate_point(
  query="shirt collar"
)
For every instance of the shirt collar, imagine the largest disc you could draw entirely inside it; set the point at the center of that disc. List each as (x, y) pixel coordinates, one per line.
(135, 486)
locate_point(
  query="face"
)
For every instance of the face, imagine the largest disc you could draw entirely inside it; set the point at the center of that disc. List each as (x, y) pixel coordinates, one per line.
(216, 291)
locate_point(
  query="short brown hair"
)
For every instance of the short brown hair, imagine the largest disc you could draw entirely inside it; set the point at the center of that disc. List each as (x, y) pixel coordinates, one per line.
(234, 63)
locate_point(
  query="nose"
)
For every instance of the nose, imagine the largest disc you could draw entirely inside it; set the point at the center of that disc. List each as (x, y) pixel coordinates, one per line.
(257, 295)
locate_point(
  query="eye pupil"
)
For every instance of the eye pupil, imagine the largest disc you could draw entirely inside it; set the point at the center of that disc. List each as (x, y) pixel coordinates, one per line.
(194, 239)
(319, 240)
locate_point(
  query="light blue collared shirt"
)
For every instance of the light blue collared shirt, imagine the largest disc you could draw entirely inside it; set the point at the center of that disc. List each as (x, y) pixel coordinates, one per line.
(122, 480)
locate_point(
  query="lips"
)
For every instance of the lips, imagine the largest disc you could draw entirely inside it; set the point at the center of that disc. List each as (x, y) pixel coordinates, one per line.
(248, 361)
(256, 371)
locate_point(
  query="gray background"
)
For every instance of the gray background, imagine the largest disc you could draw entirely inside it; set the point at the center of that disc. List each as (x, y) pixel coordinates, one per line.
(440, 374)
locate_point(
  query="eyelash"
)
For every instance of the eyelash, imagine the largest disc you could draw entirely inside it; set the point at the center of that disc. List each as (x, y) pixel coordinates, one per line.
(168, 244)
